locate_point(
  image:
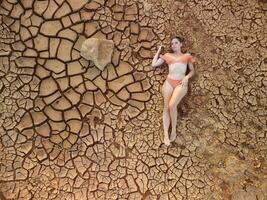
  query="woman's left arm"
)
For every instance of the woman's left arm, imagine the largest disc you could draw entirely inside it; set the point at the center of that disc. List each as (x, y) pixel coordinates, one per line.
(191, 73)
(192, 70)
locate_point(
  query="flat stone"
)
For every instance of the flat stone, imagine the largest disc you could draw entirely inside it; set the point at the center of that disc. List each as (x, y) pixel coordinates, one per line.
(25, 34)
(92, 73)
(132, 111)
(117, 38)
(79, 42)
(36, 20)
(116, 101)
(122, 25)
(21, 174)
(120, 82)
(38, 117)
(58, 126)
(76, 81)
(40, 42)
(99, 98)
(73, 137)
(117, 8)
(44, 130)
(78, 28)
(74, 68)
(26, 122)
(131, 10)
(28, 164)
(75, 18)
(85, 109)
(17, 11)
(17, 45)
(41, 154)
(48, 86)
(252, 100)
(76, 5)
(56, 139)
(54, 154)
(50, 11)
(30, 53)
(62, 104)
(90, 86)
(85, 130)
(27, 4)
(92, 5)
(137, 104)
(124, 68)
(72, 114)
(64, 50)
(51, 28)
(75, 126)
(88, 98)
(145, 53)
(131, 183)
(75, 55)
(51, 98)
(87, 16)
(72, 96)
(41, 72)
(53, 46)
(64, 134)
(123, 94)
(26, 147)
(26, 78)
(146, 84)
(142, 182)
(63, 83)
(33, 31)
(100, 83)
(68, 34)
(63, 11)
(134, 27)
(55, 65)
(98, 50)
(130, 18)
(66, 21)
(143, 34)
(53, 114)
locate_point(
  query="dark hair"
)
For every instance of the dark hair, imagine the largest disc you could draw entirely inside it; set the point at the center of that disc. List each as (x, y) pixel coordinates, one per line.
(178, 38)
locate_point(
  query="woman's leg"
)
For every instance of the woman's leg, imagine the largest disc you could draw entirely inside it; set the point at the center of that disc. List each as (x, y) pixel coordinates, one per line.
(167, 93)
(177, 95)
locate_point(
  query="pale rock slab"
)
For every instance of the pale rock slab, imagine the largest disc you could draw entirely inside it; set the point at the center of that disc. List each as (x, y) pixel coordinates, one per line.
(97, 50)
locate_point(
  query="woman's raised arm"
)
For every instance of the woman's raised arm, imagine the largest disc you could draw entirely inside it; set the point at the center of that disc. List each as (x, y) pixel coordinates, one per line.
(156, 60)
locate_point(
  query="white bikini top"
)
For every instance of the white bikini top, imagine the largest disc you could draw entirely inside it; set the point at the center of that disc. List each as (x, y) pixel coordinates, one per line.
(177, 64)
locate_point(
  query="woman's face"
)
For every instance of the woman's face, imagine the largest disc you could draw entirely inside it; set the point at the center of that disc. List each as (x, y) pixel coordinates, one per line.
(176, 44)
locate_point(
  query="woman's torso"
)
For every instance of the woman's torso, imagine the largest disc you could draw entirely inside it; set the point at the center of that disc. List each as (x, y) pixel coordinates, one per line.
(177, 65)
(177, 71)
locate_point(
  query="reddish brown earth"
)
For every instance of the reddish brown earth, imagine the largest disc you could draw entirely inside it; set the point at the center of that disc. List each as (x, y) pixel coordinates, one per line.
(70, 131)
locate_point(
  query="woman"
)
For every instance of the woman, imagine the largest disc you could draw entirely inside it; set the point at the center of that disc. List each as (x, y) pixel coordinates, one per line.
(176, 85)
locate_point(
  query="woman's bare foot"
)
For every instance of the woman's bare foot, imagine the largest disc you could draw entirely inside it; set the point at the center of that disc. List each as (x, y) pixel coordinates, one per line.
(173, 137)
(167, 141)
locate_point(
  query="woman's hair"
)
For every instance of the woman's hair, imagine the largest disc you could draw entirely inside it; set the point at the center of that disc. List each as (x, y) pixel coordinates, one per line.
(178, 38)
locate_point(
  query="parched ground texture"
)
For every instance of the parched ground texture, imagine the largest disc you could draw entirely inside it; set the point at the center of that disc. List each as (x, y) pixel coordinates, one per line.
(70, 131)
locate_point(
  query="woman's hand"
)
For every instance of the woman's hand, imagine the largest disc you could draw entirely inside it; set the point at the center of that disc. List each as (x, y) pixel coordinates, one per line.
(156, 60)
(185, 81)
(161, 47)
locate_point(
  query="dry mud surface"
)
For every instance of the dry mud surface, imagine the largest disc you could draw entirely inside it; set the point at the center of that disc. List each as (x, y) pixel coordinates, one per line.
(70, 131)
